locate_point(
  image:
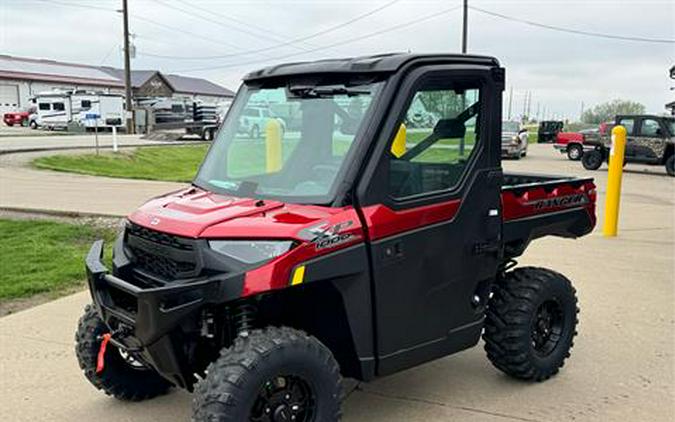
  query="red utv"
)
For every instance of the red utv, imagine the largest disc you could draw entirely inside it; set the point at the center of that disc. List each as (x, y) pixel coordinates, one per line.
(346, 245)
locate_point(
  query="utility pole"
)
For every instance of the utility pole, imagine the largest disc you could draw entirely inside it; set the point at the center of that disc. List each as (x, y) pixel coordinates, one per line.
(465, 26)
(529, 103)
(581, 115)
(510, 100)
(127, 70)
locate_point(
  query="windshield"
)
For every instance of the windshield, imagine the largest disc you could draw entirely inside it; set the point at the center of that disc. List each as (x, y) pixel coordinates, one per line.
(511, 127)
(288, 143)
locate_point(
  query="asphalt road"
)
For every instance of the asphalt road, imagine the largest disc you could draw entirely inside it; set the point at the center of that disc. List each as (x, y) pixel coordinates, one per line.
(622, 366)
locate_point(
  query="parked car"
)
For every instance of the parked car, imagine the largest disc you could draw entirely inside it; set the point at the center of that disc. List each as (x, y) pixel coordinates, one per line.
(254, 121)
(19, 118)
(548, 130)
(650, 140)
(514, 140)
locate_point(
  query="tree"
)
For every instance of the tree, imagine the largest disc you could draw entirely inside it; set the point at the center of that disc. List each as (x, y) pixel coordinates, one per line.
(606, 111)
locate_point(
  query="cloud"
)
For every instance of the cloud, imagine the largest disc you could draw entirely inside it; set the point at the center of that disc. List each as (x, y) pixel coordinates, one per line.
(561, 70)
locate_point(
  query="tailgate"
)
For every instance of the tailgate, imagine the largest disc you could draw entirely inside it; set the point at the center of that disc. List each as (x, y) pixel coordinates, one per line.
(534, 206)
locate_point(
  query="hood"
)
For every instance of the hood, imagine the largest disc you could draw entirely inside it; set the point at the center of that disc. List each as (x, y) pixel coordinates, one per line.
(196, 213)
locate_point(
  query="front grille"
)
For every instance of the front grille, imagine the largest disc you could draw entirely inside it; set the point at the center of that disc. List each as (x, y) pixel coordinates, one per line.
(161, 255)
(160, 265)
(159, 237)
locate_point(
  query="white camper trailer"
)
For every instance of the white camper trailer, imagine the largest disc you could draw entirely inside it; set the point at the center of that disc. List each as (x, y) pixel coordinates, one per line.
(55, 110)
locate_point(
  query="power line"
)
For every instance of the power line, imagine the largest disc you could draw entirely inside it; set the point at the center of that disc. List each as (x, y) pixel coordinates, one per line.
(575, 31)
(339, 43)
(287, 43)
(81, 6)
(182, 31)
(205, 18)
(219, 22)
(144, 19)
(273, 35)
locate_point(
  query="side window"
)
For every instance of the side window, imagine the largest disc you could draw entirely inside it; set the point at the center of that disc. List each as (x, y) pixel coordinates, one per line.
(629, 124)
(59, 106)
(438, 134)
(85, 104)
(44, 106)
(650, 127)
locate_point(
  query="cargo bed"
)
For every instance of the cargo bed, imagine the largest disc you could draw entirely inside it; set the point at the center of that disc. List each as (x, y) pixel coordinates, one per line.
(538, 205)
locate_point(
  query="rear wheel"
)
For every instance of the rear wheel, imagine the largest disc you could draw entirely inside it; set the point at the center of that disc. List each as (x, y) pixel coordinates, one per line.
(275, 374)
(531, 323)
(592, 160)
(122, 377)
(670, 165)
(574, 152)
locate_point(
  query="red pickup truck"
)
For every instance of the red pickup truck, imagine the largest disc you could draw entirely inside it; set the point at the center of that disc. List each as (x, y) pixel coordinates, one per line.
(571, 143)
(19, 118)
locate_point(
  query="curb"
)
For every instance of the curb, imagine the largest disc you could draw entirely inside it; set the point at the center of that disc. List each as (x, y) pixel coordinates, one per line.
(107, 147)
(58, 213)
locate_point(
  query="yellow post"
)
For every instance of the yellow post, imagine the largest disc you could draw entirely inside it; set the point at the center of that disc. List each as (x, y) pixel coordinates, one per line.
(398, 147)
(273, 146)
(614, 175)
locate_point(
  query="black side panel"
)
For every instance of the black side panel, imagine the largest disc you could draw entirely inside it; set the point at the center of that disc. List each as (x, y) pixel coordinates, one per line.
(569, 223)
(333, 304)
(424, 297)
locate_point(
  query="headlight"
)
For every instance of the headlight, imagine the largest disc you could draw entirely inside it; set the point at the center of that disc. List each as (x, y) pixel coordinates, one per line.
(251, 251)
(515, 140)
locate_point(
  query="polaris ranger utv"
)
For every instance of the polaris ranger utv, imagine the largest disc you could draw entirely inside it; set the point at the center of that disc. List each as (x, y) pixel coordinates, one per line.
(345, 245)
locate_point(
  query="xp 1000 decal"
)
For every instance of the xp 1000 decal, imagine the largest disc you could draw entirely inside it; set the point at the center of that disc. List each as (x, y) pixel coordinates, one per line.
(325, 235)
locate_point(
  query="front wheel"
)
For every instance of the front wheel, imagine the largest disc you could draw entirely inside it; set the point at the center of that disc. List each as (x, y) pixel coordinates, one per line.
(33, 124)
(670, 165)
(275, 374)
(122, 377)
(574, 152)
(592, 160)
(531, 323)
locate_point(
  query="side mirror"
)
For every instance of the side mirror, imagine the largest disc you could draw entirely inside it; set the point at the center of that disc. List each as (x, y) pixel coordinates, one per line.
(659, 132)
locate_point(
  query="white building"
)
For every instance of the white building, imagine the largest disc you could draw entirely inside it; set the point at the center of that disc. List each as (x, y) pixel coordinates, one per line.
(21, 78)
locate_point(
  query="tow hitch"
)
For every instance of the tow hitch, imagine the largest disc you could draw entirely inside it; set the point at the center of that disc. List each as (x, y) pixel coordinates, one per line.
(100, 362)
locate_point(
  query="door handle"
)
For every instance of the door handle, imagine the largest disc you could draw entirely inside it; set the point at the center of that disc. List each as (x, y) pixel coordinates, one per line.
(392, 252)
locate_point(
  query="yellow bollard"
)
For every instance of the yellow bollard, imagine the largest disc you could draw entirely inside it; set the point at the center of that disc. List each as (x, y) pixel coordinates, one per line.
(273, 146)
(614, 176)
(398, 147)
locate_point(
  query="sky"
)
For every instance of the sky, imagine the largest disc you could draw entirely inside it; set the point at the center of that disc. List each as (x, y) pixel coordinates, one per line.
(559, 70)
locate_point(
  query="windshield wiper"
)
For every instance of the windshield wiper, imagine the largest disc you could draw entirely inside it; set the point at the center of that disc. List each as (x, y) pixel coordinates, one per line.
(304, 91)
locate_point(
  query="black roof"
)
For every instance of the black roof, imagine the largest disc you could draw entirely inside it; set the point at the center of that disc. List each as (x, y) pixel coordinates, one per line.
(382, 63)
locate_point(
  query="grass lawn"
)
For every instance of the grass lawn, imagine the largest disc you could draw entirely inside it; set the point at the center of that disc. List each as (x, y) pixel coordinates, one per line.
(178, 164)
(43, 256)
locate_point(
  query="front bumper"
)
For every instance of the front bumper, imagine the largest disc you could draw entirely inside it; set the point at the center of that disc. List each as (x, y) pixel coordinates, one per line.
(144, 321)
